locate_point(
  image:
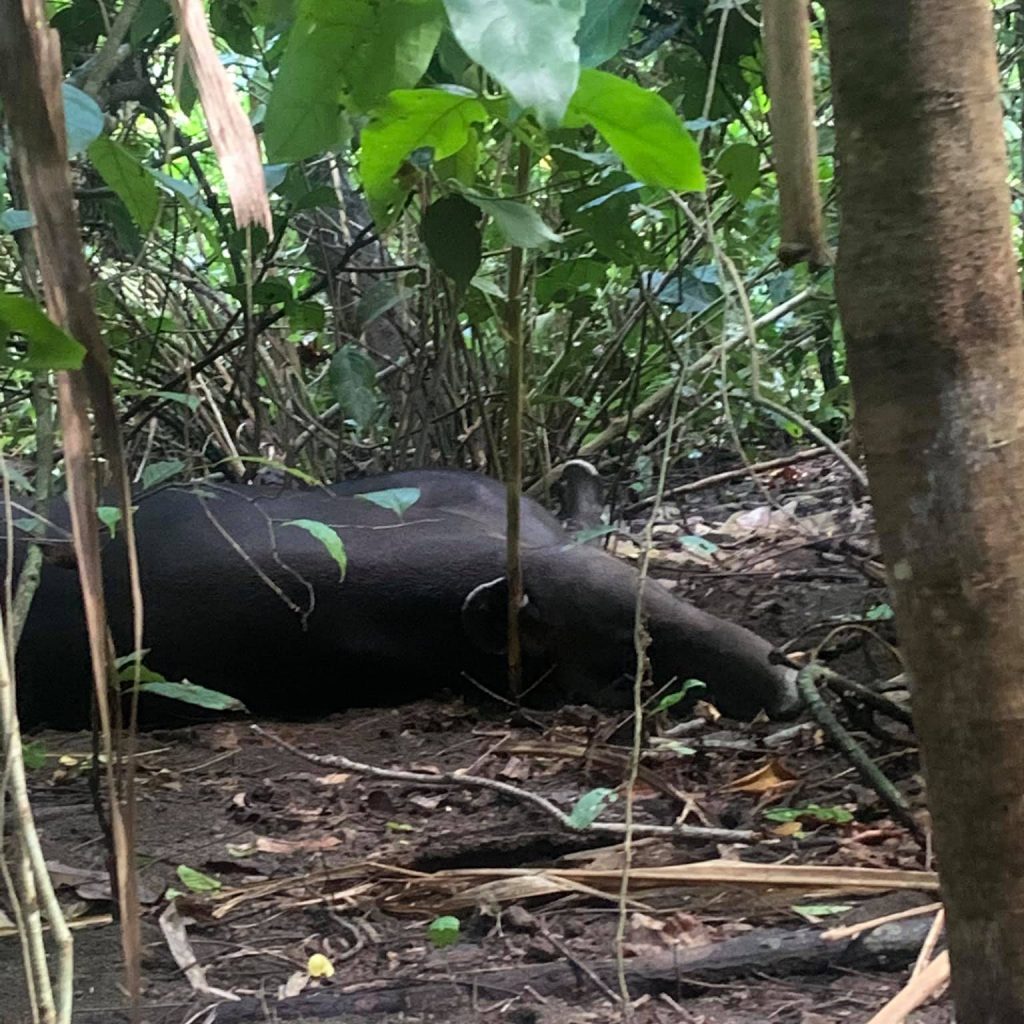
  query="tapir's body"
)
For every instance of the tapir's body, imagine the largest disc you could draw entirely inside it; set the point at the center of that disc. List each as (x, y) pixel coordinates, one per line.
(238, 600)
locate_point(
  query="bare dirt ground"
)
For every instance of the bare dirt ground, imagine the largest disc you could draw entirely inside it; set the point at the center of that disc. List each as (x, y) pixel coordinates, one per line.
(307, 859)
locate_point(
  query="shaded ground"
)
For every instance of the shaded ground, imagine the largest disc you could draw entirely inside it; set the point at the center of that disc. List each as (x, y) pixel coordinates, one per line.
(310, 859)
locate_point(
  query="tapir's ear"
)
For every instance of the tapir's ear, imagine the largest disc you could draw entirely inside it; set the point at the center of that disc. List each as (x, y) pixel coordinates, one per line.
(485, 615)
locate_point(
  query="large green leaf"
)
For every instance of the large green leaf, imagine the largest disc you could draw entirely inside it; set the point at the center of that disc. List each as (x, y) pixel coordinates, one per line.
(520, 224)
(395, 499)
(605, 29)
(602, 212)
(434, 119)
(641, 127)
(450, 230)
(740, 166)
(124, 173)
(83, 119)
(49, 348)
(353, 379)
(327, 536)
(529, 46)
(356, 47)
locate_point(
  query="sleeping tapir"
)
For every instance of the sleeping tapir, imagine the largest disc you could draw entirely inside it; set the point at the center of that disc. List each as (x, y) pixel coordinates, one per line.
(240, 599)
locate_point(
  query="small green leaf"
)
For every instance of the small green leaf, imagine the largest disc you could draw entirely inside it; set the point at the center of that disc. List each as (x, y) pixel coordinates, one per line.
(529, 46)
(327, 536)
(675, 696)
(450, 230)
(813, 912)
(641, 127)
(33, 753)
(592, 533)
(520, 224)
(190, 693)
(396, 499)
(16, 220)
(398, 826)
(18, 480)
(880, 613)
(49, 348)
(589, 806)
(444, 931)
(83, 119)
(740, 167)
(196, 880)
(124, 173)
(698, 545)
(157, 472)
(812, 813)
(110, 517)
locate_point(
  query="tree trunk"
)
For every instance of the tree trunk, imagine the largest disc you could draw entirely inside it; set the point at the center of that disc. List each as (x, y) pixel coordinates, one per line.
(931, 310)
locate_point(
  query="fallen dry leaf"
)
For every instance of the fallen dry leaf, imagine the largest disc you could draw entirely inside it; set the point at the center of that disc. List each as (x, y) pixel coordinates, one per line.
(770, 776)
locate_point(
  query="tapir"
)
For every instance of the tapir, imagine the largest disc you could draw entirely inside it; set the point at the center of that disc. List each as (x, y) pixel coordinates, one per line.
(242, 599)
(578, 490)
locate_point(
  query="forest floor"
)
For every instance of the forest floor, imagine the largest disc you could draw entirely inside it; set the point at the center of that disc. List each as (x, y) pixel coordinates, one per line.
(301, 858)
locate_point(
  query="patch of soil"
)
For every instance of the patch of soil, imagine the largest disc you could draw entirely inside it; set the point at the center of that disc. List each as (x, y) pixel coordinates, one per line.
(314, 859)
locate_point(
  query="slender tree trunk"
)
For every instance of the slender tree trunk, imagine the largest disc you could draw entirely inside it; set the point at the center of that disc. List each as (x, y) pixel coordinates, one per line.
(931, 309)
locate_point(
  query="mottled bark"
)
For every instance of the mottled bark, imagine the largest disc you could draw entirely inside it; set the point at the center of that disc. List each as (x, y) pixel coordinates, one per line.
(931, 310)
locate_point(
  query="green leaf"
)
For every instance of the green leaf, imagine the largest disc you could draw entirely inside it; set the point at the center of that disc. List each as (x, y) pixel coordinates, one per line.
(274, 175)
(410, 120)
(641, 127)
(361, 47)
(83, 119)
(151, 15)
(16, 220)
(306, 316)
(602, 212)
(33, 753)
(811, 812)
(49, 348)
(589, 806)
(397, 499)
(529, 46)
(675, 696)
(327, 536)
(520, 224)
(740, 167)
(196, 880)
(110, 517)
(190, 693)
(450, 230)
(444, 931)
(179, 187)
(604, 29)
(813, 912)
(353, 379)
(699, 545)
(157, 472)
(592, 533)
(123, 172)
(397, 51)
(880, 613)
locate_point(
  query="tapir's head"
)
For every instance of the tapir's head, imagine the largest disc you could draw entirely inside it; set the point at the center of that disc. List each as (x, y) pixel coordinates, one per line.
(578, 615)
